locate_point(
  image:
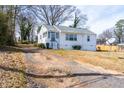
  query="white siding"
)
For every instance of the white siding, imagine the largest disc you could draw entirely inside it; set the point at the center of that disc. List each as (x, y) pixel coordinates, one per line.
(89, 45)
(40, 36)
(81, 40)
(65, 44)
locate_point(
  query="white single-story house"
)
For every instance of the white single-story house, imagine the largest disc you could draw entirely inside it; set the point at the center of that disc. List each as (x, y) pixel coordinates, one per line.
(62, 37)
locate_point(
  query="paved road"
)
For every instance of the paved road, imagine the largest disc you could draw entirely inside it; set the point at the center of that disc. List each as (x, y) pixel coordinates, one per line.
(88, 78)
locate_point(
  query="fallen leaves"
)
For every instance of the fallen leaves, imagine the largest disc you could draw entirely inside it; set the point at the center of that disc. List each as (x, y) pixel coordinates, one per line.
(10, 66)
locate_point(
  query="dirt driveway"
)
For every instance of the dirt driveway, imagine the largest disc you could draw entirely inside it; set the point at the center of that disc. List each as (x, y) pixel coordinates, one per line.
(48, 70)
(45, 71)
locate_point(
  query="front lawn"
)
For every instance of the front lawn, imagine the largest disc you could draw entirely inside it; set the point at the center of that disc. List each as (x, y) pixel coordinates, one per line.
(107, 60)
(11, 69)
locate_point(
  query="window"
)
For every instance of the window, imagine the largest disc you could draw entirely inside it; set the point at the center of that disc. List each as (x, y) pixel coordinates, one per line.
(48, 34)
(53, 36)
(88, 38)
(67, 37)
(71, 37)
(40, 36)
(57, 35)
(75, 37)
(44, 34)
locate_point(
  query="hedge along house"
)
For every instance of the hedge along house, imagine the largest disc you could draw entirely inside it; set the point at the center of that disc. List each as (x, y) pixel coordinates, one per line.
(62, 37)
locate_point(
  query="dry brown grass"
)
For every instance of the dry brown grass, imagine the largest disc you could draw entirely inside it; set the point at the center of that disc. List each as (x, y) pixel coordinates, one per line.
(10, 64)
(107, 60)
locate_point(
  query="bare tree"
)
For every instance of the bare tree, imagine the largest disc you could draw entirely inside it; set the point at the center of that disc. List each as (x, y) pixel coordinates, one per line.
(53, 14)
(107, 34)
(104, 36)
(79, 19)
(26, 25)
(12, 12)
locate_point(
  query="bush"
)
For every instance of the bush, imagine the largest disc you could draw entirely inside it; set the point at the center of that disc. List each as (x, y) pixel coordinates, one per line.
(25, 42)
(4, 29)
(76, 47)
(41, 45)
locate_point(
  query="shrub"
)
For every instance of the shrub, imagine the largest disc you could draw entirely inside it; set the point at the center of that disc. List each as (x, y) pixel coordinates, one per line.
(76, 47)
(41, 45)
(25, 42)
(4, 29)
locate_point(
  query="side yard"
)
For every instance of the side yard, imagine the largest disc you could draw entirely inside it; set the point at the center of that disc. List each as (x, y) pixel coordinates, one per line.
(12, 69)
(106, 60)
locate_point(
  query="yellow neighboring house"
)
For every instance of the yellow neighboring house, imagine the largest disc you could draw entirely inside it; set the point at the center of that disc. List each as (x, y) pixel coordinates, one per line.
(107, 48)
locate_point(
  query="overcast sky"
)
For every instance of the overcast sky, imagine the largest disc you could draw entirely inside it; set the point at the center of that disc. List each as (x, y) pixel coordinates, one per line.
(101, 17)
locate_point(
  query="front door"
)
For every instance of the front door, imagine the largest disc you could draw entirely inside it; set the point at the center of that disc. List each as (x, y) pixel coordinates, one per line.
(53, 36)
(53, 42)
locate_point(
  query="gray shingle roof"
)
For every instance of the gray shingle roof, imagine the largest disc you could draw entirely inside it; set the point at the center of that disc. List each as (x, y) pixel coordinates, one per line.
(69, 29)
(49, 27)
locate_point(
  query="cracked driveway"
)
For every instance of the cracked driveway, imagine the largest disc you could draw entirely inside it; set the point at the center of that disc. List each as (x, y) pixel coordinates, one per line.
(87, 77)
